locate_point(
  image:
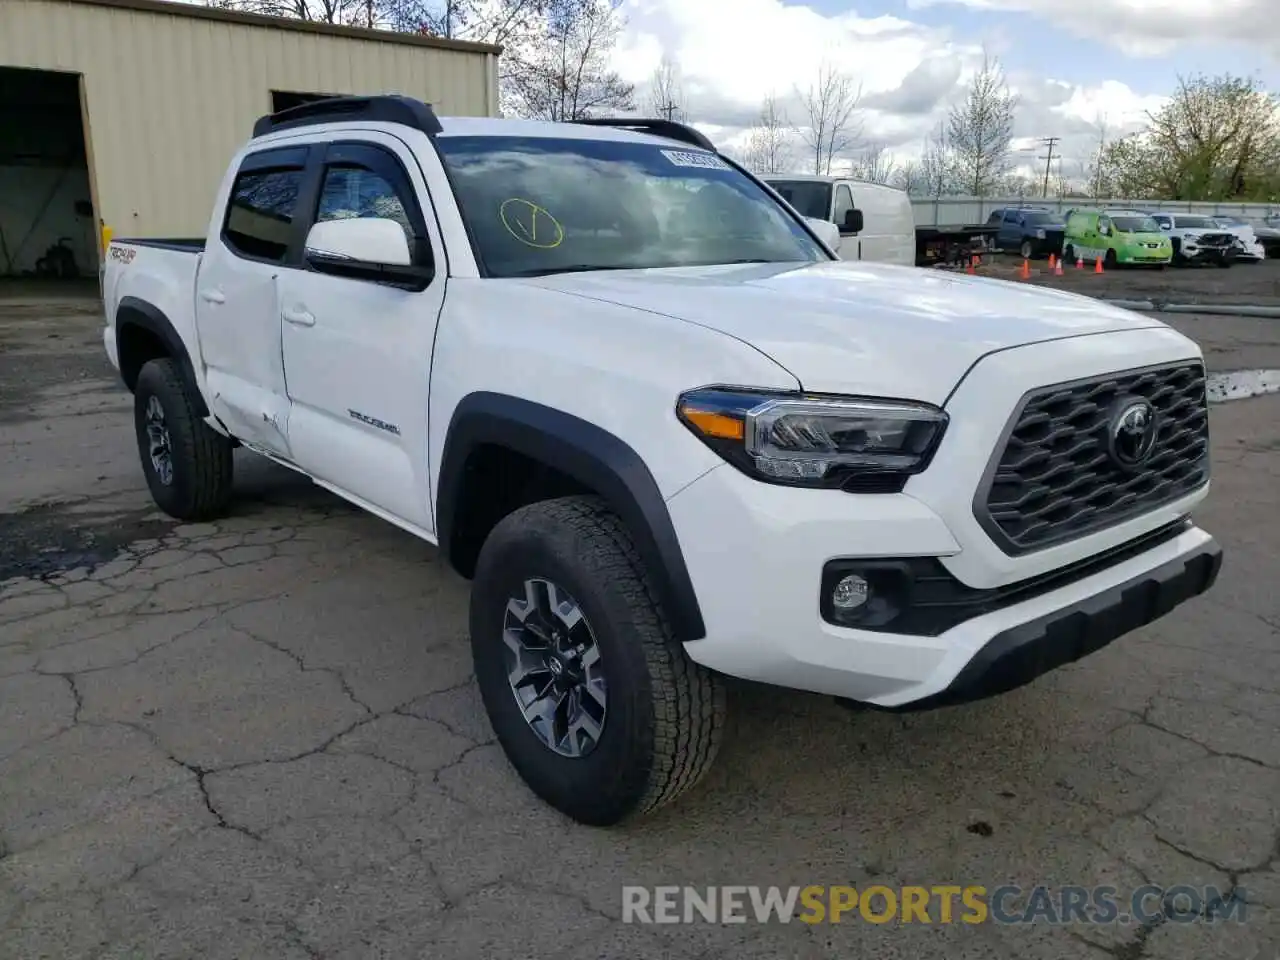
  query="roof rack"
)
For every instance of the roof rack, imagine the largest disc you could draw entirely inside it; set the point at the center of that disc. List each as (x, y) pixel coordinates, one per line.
(657, 127)
(386, 108)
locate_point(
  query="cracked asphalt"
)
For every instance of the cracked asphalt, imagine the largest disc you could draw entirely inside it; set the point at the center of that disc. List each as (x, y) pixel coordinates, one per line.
(260, 738)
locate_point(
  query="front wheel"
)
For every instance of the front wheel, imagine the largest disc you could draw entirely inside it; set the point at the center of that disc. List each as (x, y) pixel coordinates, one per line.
(594, 701)
(1110, 261)
(188, 465)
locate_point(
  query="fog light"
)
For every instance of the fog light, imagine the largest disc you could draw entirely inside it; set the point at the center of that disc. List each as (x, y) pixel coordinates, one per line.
(850, 593)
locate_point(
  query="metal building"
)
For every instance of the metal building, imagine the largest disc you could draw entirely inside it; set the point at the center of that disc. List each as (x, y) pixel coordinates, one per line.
(124, 113)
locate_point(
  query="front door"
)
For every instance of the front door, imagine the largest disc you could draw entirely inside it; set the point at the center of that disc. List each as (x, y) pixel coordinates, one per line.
(237, 298)
(850, 243)
(357, 353)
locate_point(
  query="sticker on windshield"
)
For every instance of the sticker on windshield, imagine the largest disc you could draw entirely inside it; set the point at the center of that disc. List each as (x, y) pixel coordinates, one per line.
(688, 158)
(531, 224)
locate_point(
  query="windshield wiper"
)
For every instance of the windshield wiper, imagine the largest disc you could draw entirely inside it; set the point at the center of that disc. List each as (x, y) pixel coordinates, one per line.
(569, 268)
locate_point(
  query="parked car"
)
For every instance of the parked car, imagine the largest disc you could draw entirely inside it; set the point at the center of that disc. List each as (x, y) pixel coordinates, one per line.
(663, 429)
(884, 231)
(1116, 237)
(1249, 248)
(1268, 233)
(1032, 231)
(1196, 238)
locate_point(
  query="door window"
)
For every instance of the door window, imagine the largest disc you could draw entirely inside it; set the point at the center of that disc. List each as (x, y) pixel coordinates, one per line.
(259, 221)
(364, 180)
(355, 191)
(844, 203)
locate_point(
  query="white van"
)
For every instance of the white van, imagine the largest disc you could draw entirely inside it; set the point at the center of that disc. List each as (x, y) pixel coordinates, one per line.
(888, 234)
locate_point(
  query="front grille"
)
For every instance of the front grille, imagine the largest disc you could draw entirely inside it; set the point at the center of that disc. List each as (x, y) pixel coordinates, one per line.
(1055, 480)
(1216, 240)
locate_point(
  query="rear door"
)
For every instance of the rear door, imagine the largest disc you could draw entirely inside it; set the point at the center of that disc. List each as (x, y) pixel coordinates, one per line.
(237, 296)
(357, 353)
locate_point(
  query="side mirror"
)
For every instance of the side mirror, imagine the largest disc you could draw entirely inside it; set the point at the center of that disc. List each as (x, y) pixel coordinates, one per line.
(826, 230)
(852, 221)
(369, 248)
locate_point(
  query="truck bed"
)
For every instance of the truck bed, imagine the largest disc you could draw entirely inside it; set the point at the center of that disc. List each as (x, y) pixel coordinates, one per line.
(180, 244)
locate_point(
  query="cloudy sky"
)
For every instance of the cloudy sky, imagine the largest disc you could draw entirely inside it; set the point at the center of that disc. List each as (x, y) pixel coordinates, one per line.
(1073, 63)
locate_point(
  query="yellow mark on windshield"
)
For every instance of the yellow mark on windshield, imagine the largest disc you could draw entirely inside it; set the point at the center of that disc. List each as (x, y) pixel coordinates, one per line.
(531, 224)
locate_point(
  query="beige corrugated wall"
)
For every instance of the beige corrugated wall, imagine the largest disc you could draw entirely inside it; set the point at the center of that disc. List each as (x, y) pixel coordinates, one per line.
(170, 98)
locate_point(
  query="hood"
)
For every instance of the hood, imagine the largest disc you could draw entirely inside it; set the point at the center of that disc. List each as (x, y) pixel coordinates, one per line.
(855, 327)
(1141, 237)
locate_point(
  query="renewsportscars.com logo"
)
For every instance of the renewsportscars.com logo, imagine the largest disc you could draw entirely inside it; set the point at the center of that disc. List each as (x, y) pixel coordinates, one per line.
(941, 904)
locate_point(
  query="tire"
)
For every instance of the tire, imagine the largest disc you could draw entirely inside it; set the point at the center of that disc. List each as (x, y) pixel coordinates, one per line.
(1026, 250)
(197, 483)
(664, 715)
(1225, 262)
(1069, 253)
(1109, 261)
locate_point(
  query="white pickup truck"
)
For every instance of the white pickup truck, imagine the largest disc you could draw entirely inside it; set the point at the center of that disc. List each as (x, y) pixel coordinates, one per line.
(667, 434)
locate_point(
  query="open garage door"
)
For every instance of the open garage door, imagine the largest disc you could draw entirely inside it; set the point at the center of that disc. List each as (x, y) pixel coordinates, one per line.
(48, 231)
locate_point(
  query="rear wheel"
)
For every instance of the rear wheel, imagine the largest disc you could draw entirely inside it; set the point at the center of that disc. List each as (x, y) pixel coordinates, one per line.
(188, 465)
(594, 701)
(1026, 250)
(1069, 253)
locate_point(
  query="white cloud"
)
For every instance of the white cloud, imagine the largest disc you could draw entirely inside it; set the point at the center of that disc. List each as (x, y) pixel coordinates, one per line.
(732, 53)
(1148, 27)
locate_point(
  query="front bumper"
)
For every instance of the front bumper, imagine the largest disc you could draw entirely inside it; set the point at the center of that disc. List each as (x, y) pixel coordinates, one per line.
(1018, 655)
(1192, 253)
(756, 554)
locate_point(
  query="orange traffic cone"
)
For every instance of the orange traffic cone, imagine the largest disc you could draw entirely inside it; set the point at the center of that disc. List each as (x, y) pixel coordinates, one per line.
(1079, 263)
(1097, 265)
(1052, 261)
(1026, 270)
(1057, 268)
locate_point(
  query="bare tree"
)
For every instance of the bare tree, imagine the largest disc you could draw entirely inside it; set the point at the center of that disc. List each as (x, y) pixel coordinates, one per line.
(933, 174)
(875, 165)
(1095, 173)
(666, 92)
(318, 11)
(980, 127)
(830, 106)
(769, 144)
(566, 76)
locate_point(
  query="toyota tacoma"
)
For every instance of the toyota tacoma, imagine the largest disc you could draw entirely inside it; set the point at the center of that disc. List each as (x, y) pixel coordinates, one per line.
(635, 398)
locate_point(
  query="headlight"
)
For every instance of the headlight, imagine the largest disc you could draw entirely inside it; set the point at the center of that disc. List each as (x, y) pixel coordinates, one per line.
(1039, 234)
(865, 445)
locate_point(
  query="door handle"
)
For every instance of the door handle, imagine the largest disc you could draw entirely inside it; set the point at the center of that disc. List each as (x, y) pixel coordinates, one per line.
(300, 317)
(212, 296)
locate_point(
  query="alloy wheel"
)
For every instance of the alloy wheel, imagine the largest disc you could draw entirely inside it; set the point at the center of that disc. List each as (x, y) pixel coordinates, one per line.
(159, 446)
(554, 668)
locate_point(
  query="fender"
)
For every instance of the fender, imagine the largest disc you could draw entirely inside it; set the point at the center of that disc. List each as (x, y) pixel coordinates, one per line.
(594, 458)
(138, 313)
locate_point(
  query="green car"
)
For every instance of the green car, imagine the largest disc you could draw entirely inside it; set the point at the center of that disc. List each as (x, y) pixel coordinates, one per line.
(1117, 237)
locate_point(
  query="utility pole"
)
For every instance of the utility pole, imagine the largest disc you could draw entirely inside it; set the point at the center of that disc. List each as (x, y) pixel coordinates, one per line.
(669, 110)
(1048, 161)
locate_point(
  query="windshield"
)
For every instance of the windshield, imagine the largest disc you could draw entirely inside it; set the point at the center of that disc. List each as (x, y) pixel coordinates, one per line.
(811, 198)
(1187, 221)
(1038, 217)
(536, 205)
(1136, 224)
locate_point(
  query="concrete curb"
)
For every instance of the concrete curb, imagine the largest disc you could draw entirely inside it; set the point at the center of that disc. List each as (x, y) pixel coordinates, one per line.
(1215, 309)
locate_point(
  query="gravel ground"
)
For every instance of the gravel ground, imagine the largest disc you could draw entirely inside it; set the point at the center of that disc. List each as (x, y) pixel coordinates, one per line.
(260, 738)
(1242, 283)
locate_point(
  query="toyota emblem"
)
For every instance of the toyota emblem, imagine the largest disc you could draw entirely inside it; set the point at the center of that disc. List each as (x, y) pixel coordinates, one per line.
(1131, 435)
